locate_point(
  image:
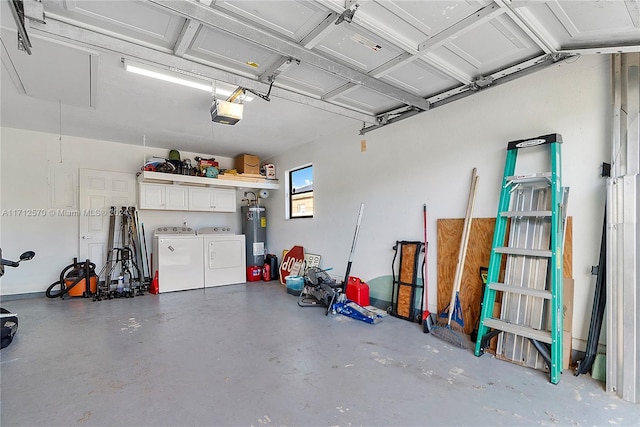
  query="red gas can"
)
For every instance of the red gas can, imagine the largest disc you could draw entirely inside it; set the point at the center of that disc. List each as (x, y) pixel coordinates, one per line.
(254, 273)
(358, 291)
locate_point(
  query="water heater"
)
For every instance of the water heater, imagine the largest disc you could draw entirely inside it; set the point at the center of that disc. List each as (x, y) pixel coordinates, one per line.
(254, 227)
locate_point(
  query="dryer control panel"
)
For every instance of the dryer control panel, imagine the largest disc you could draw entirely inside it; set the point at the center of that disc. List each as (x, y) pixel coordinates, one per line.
(219, 229)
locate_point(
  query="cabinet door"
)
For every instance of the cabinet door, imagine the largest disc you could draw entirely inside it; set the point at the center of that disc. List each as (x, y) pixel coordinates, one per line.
(177, 198)
(201, 199)
(224, 200)
(152, 196)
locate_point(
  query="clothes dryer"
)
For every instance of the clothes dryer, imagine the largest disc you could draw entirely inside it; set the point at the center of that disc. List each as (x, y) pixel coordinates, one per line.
(225, 260)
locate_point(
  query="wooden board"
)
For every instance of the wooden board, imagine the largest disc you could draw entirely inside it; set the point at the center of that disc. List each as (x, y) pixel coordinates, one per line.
(404, 301)
(449, 234)
(407, 268)
(409, 258)
(567, 258)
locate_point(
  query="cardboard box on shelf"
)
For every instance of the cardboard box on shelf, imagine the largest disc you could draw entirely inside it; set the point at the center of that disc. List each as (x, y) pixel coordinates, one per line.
(246, 163)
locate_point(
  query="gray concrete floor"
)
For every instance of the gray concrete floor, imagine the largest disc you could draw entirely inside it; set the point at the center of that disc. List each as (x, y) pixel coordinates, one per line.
(248, 355)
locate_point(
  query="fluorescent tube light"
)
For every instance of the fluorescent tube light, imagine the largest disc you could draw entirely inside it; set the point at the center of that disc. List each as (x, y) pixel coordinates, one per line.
(167, 78)
(147, 71)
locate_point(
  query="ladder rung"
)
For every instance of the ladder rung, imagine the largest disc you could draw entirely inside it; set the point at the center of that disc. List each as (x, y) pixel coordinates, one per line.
(538, 293)
(534, 177)
(522, 251)
(523, 331)
(511, 214)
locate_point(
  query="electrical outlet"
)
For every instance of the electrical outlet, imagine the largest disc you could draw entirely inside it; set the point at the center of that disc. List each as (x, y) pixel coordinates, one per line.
(363, 145)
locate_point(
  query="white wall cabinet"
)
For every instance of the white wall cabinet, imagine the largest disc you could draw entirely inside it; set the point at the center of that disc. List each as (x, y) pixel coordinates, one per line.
(163, 191)
(185, 198)
(201, 199)
(177, 198)
(224, 200)
(212, 199)
(163, 197)
(152, 196)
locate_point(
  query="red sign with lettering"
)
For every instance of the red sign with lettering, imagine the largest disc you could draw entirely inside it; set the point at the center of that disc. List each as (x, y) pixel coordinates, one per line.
(291, 263)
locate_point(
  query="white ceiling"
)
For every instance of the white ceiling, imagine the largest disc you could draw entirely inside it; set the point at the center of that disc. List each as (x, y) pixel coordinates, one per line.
(392, 60)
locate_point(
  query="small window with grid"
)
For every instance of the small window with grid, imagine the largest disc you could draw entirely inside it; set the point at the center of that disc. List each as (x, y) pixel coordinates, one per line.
(301, 192)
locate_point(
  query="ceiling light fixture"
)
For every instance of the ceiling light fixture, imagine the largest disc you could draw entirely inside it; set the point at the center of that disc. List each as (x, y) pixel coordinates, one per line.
(168, 76)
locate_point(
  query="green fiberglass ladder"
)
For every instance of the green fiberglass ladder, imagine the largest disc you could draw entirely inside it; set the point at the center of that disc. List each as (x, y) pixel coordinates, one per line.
(529, 328)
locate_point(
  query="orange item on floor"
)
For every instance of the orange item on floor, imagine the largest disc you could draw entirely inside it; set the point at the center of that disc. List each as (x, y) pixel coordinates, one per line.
(80, 289)
(155, 286)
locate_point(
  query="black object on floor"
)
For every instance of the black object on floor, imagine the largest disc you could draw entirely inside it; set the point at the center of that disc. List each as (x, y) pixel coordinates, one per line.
(597, 311)
(483, 276)
(9, 326)
(406, 290)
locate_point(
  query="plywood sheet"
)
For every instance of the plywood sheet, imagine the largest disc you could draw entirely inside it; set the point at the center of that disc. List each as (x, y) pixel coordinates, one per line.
(407, 277)
(567, 259)
(478, 253)
(404, 301)
(449, 234)
(407, 267)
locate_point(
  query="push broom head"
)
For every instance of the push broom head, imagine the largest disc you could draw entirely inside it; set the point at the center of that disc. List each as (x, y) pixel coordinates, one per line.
(446, 333)
(450, 326)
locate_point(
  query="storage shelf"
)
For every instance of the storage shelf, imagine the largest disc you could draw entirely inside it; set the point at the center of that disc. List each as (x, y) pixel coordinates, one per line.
(159, 177)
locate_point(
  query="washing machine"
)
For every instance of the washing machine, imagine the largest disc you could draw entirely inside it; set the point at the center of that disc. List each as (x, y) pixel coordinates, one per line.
(177, 257)
(225, 260)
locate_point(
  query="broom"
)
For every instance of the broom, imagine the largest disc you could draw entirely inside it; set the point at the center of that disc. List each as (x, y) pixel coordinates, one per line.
(454, 334)
(427, 322)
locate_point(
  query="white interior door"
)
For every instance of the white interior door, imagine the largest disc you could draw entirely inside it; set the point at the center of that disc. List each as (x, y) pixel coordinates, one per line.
(99, 190)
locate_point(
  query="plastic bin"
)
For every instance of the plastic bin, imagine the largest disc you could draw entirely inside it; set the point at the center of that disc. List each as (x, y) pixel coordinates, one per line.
(294, 284)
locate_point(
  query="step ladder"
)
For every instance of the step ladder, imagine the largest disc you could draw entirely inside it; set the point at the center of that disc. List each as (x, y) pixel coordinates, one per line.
(530, 323)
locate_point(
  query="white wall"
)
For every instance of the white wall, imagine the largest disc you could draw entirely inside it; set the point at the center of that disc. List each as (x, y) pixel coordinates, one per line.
(428, 159)
(29, 162)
